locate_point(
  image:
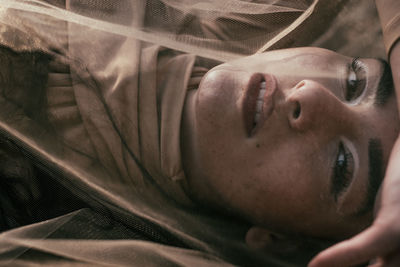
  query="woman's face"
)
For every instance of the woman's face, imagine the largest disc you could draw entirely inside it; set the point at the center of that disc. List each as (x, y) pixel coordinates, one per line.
(294, 140)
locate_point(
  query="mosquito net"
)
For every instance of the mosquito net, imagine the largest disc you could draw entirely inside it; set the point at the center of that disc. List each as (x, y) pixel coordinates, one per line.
(91, 101)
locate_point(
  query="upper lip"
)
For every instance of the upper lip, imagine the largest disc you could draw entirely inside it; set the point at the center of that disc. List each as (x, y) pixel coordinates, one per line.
(250, 101)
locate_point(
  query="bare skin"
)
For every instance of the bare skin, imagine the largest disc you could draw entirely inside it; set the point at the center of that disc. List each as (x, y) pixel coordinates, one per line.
(380, 243)
(308, 154)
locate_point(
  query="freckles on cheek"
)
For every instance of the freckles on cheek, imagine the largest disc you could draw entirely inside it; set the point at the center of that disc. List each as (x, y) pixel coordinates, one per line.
(208, 119)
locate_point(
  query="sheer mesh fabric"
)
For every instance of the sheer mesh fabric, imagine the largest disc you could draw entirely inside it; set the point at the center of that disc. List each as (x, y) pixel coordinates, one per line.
(91, 92)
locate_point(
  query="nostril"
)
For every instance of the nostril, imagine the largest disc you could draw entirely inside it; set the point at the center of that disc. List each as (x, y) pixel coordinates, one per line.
(297, 110)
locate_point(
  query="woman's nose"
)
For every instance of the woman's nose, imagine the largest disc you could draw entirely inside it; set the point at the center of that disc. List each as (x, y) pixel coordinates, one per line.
(310, 105)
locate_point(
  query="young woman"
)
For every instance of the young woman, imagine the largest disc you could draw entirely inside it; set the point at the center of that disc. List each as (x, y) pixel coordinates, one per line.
(379, 243)
(273, 150)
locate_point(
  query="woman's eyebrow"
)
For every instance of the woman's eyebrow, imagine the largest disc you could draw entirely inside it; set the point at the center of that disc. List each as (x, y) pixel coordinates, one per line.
(385, 86)
(375, 175)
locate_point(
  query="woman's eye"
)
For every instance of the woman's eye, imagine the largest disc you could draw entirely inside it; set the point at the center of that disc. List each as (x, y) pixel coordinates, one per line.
(343, 170)
(356, 80)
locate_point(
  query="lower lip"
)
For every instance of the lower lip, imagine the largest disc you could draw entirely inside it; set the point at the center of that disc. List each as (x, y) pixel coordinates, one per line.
(250, 99)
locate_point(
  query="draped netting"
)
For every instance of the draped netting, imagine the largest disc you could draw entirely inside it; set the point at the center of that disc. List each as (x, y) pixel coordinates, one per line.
(91, 92)
(219, 30)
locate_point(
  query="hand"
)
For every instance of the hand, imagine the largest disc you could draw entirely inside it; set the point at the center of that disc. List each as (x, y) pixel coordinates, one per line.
(381, 241)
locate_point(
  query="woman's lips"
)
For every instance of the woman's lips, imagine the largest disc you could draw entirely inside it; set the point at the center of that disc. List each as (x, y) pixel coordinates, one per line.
(258, 101)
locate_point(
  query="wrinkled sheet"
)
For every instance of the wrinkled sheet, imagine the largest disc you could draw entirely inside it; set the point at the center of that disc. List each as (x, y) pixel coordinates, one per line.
(108, 127)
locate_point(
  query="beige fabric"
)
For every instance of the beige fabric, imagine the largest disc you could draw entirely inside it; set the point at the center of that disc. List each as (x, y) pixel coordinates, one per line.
(390, 21)
(115, 93)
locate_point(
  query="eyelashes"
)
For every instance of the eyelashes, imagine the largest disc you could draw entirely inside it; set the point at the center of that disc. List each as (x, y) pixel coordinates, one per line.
(356, 80)
(342, 171)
